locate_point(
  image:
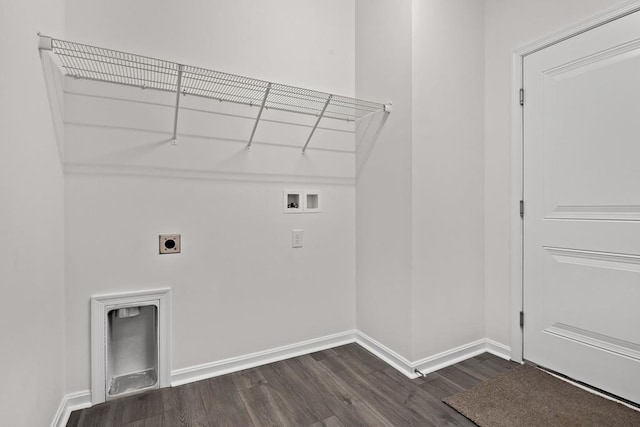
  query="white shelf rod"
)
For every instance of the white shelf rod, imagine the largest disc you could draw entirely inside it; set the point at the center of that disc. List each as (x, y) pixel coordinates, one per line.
(175, 117)
(255, 125)
(326, 104)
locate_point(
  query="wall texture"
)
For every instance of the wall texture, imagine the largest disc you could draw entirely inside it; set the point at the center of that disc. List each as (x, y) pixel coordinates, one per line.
(448, 174)
(510, 25)
(300, 42)
(419, 250)
(383, 190)
(237, 287)
(31, 222)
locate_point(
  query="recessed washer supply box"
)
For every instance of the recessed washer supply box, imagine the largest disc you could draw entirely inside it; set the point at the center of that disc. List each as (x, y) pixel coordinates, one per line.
(301, 201)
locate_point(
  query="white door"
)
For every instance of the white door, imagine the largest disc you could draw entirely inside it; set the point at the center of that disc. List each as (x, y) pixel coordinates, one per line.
(582, 207)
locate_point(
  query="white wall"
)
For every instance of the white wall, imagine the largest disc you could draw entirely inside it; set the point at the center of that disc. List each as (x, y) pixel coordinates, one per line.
(510, 24)
(383, 190)
(420, 195)
(31, 222)
(448, 172)
(238, 286)
(304, 43)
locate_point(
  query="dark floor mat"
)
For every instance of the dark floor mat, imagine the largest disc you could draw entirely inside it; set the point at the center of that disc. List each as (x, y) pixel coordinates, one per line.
(527, 396)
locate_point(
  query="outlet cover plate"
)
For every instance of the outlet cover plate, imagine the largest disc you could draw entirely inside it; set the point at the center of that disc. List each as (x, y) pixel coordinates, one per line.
(169, 243)
(296, 238)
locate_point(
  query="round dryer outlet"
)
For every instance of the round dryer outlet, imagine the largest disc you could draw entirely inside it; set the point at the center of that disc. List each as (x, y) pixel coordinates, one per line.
(169, 243)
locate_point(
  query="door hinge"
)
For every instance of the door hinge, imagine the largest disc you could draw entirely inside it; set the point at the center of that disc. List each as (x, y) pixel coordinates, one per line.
(521, 208)
(521, 96)
(521, 318)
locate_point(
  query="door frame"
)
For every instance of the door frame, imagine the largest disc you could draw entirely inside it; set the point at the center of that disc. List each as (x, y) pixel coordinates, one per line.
(517, 155)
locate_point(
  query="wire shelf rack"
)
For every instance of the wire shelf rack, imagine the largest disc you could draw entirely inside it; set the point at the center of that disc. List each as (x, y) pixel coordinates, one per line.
(107, 65)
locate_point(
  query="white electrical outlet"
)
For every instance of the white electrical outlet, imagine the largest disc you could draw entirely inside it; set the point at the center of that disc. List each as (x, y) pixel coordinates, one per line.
(296, 238)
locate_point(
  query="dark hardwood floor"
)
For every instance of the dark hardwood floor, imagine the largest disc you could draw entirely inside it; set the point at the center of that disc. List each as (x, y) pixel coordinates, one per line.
(343, 386)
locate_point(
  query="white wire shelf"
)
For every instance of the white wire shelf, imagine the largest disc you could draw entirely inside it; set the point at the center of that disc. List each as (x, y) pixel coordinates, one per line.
(106, 65)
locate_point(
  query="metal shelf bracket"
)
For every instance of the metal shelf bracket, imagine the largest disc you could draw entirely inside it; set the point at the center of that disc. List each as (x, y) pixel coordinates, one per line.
(45, 43)
(175, 116)
(255, 125)
(326, 104)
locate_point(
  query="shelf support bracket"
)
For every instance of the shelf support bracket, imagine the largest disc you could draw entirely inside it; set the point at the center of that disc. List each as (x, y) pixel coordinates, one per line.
(45, 42)
(326, 104)
(255, 125)
(175, 116)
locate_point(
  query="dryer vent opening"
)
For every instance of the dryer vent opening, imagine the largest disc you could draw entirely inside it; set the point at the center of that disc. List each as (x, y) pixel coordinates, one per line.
(132, 350)
(129, 343)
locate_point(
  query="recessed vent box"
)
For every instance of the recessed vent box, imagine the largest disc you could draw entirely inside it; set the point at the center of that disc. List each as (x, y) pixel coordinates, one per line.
(129, 343)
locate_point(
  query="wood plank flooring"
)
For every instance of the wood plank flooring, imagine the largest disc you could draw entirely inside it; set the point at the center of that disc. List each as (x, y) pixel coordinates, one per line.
(339, 387)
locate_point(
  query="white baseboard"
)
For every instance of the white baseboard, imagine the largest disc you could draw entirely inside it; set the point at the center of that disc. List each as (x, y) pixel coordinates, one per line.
(221, 367)
(71, 402)
(385, 353)
(435, 362)
(450, 357)
(79, 400)
(498, 349)
(458, 354)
